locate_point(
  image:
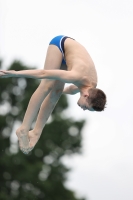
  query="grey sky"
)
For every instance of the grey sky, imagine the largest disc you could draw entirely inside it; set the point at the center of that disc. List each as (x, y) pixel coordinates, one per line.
(105, 169)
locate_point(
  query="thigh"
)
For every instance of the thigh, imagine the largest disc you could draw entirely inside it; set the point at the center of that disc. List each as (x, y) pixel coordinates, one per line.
(53, 61)
(53, 58)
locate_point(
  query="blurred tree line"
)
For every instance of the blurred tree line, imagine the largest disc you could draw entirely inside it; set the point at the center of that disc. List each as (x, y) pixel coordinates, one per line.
(40, 174)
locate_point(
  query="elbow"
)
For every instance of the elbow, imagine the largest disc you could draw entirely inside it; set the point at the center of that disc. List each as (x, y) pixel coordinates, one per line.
(72, 92)
(43, 74)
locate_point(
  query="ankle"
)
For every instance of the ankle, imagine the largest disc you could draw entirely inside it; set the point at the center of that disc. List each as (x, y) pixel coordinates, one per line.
(37, 132)
(22, 130)
(23, 127)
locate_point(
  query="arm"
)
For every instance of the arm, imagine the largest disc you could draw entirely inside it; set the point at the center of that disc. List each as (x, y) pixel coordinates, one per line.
(62, 75)
(22, 73)
(72, 89)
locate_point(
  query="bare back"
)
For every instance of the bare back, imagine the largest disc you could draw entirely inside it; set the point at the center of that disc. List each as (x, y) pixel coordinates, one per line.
(79, 60)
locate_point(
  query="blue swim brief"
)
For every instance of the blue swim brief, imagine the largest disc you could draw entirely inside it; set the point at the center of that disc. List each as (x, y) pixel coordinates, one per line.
(59, 42)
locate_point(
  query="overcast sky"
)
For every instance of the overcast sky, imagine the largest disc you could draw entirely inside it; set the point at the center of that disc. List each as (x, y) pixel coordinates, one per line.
(105, 169)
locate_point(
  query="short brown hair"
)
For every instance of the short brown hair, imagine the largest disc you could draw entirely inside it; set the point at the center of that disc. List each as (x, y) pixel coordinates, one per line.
(97, 98)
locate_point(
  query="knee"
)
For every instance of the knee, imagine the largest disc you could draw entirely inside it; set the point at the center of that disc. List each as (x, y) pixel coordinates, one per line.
(58, 88)
(55, 94)
(46, 86)
(45, 89)
(58, 91)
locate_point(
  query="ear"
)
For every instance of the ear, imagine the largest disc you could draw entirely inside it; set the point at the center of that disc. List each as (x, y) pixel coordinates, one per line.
(86, 95)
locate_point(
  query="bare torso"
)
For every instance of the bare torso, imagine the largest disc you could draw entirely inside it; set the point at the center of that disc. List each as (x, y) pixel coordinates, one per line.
(78, 60)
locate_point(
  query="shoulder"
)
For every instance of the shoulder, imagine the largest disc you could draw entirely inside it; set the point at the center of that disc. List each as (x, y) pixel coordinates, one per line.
(88, 82)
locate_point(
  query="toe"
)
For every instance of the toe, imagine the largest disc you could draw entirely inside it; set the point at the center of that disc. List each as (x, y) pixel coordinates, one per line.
(25, 151)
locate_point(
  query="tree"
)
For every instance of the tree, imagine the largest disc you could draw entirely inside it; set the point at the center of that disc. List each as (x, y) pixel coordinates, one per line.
(41, 174)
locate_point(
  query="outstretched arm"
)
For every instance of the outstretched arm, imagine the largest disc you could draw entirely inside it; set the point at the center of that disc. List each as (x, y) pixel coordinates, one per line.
(72, 89)
(62, 75)
(36, 74)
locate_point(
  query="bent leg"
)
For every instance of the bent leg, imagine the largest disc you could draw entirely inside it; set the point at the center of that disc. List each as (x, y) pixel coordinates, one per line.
(53, 61)
(32, 111)
(44, 113)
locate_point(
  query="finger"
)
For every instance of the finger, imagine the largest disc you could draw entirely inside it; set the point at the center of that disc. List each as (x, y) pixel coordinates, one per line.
(2, 71)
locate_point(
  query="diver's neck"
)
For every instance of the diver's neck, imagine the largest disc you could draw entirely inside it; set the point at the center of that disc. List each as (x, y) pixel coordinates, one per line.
(84, 90)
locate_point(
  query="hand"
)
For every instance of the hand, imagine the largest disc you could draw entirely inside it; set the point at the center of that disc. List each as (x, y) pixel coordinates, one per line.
(7, 74)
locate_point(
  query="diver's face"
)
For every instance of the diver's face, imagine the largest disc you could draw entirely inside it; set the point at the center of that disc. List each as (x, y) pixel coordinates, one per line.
(84, 104)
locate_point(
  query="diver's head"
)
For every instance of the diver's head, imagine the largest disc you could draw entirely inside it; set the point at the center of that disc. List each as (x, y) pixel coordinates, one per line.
(92, 99)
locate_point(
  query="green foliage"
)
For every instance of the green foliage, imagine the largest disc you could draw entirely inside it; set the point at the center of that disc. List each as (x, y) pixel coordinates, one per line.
(41, 174)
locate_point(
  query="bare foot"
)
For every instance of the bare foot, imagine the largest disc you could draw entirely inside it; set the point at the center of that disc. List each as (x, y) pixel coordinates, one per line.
(33, 137)
(23, 140)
